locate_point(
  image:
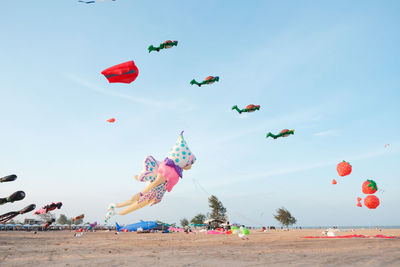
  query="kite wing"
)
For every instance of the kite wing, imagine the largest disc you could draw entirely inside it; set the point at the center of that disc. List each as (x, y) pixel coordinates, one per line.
(122, 73)
(150, 170)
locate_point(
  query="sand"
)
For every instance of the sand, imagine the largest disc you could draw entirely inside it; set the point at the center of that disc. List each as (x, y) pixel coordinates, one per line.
(274, 248)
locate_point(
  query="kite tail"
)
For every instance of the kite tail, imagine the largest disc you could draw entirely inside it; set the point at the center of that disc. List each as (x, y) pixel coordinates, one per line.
(235, 107)
(118, 227)
(3, 201)
(270, 135)
(8, 216)
(194, 82)
(151, 48)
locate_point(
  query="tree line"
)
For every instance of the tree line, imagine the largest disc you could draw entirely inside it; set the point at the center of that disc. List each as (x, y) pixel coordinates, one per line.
(218, 212)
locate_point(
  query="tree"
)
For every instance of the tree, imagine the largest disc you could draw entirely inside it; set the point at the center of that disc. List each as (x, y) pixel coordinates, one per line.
(62, 219)
(284, 217)
(218, 211)
(184, 222)
(198, 219)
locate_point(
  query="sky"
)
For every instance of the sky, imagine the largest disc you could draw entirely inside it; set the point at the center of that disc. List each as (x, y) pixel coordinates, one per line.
(329, 70)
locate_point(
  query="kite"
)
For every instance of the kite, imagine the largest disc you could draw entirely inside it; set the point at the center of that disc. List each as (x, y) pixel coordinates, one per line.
(283, 133)
(111, 120)
(369, 187)
(208, 80)
(249, 108)
(355, 236)
(80, 217)
(243, 232)
(135, 226)
(167, 44)
(47, 216)
(92, 225)
(122, 73)
(371, 202)
(161, 177)
(9, 215)
(334, 181)
(387, 145)
(359, 202)
(48, 223)
(91, 2)
(344, 168)
(8, 178)
(48, 208)
(19, 195)
(213, 232)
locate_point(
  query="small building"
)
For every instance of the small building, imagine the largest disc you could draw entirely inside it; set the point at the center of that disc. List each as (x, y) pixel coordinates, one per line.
(214, 222)
(31, 221)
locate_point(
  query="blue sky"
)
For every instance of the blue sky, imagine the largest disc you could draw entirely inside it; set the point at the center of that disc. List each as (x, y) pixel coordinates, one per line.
(329, 70)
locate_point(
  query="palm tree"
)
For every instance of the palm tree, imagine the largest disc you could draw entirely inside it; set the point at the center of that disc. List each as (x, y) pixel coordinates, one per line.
(284, 217)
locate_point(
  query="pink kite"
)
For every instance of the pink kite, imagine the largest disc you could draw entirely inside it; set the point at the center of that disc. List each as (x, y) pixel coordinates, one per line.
(355, 236)
(213, 232)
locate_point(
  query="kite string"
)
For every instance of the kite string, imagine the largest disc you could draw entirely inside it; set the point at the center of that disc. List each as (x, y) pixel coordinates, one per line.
(196, 183)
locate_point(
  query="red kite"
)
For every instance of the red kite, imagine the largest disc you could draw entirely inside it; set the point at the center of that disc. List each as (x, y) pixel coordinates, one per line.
(122, 73)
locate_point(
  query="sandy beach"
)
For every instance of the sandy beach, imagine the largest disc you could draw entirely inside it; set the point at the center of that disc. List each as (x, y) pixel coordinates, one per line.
(274, 248)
